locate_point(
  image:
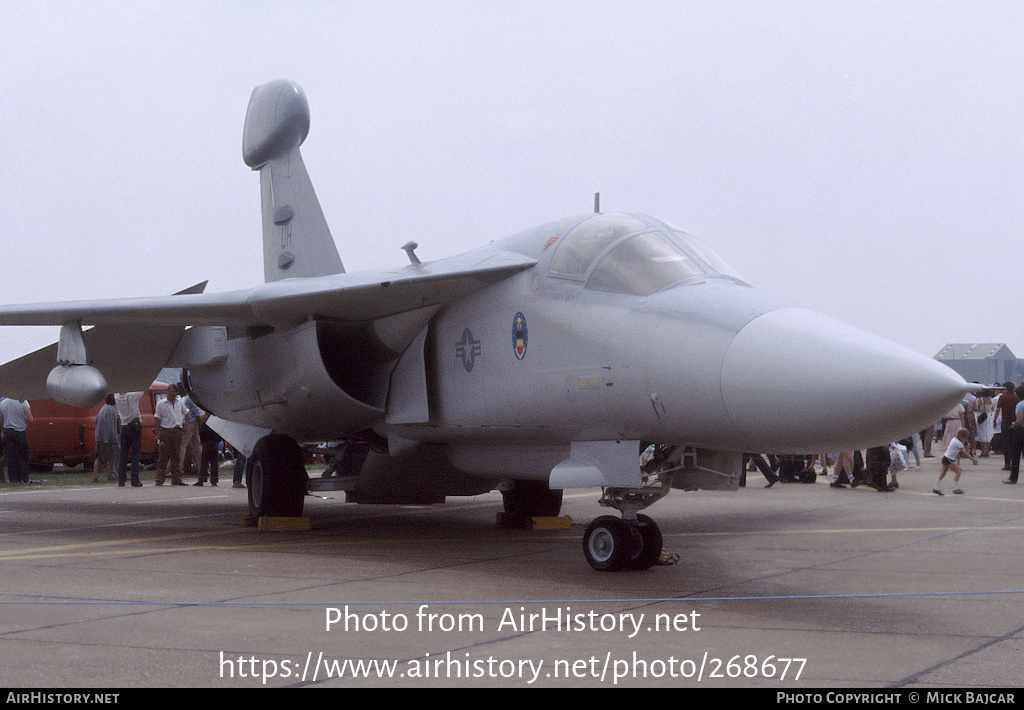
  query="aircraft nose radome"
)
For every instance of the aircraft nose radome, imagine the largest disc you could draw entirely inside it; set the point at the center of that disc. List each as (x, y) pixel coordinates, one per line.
(800, 382)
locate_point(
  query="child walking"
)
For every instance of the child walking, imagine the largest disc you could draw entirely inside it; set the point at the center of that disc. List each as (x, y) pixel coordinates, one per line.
(951, 458)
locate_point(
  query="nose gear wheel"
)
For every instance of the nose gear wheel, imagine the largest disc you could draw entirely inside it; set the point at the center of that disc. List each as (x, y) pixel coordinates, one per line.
(611, 543)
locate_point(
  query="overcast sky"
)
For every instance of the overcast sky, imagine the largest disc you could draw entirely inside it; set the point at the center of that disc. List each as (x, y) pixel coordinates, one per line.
(864, 159)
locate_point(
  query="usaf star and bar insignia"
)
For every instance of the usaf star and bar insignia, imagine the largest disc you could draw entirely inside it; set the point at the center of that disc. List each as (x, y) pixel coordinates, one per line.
(468, 348)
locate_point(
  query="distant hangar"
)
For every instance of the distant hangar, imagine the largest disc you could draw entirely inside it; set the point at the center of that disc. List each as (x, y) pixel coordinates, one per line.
(985, 363)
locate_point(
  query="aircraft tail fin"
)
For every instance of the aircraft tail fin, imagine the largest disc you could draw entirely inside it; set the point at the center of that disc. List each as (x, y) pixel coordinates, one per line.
(198, 288)
(296, 238)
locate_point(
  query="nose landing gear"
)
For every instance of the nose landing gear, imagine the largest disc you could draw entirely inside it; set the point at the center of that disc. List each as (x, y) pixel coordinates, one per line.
(611, 543)
(632, 542)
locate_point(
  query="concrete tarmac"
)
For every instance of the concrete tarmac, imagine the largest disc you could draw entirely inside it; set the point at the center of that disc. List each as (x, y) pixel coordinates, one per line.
(797, 586)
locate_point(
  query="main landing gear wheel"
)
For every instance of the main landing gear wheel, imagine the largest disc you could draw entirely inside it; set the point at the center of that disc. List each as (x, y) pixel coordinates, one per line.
(611, 544)
(531, 499)
(276, 478)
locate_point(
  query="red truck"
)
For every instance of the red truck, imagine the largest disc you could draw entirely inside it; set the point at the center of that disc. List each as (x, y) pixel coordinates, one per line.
(63, 434)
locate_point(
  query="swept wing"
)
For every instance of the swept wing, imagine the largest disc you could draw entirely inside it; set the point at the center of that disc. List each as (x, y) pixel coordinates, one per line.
(134, 337)
(347, 297)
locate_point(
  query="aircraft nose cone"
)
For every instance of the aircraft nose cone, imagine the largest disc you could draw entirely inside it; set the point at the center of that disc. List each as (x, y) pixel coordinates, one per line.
(800, 382)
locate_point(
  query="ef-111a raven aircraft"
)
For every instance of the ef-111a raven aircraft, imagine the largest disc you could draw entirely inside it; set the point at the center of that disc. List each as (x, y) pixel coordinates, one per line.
(543, 361)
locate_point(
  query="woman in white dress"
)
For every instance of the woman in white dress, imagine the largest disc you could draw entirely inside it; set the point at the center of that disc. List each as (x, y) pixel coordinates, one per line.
(984, 407)
(954, 423)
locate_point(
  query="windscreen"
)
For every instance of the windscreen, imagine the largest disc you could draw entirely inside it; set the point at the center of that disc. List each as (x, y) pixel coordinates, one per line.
(706, 253)
(642, 265)
(580, 247)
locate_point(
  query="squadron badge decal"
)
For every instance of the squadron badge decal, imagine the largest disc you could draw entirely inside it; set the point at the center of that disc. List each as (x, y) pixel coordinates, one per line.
(519, 336)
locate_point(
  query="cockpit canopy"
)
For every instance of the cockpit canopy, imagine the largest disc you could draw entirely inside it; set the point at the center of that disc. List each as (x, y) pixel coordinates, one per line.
(633, 254)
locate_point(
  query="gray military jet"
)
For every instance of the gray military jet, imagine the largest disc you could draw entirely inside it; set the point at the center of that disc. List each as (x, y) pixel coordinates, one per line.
(543, 361)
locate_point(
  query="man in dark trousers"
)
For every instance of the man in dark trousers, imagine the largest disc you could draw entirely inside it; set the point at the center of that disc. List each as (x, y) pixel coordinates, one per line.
(1006, 403)
(16, 415)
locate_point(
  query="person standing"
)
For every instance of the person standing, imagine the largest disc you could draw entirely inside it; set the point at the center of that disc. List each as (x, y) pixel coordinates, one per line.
(954, 422)
(16, 415)
(970, 419)
(1006, 405)
(984, 410)
(106, 440)
(1017, 433)
(877, 462)
(927, 437)
(844, 465)
(763, 466)
(209, 465)
(127, 404)
(3, 457)
(912, 448)
(170, 415)
(190, 441)
(239, 470)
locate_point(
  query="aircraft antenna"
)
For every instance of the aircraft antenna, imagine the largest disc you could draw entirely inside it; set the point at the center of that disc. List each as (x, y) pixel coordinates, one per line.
(597, 203)
(410, 249)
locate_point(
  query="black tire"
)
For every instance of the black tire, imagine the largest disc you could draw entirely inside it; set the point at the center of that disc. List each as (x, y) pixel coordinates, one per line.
(608, 543)
(276, 478)
(529, 499)
(648, 541)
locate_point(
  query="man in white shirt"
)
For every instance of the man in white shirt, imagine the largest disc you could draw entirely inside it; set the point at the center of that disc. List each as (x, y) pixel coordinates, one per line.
(16, 416)
(127, 404)
(170, 415)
